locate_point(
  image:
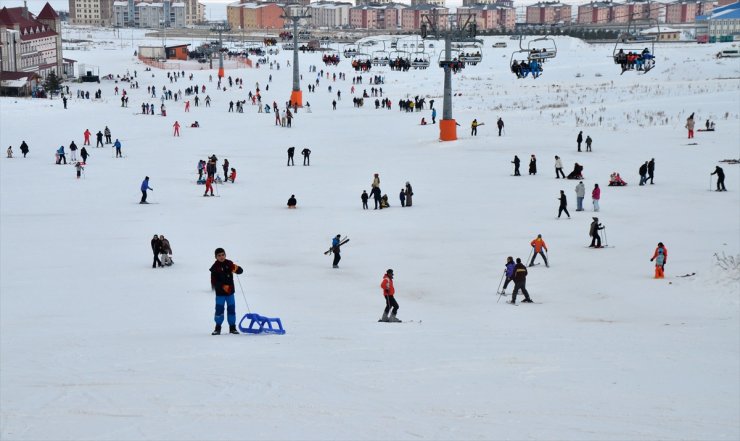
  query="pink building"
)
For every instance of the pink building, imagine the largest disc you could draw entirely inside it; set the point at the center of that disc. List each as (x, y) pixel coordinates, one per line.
(681, 12)
(413, 17)
(376, 16)
(548, 13)
(491, 16)
(595, 13)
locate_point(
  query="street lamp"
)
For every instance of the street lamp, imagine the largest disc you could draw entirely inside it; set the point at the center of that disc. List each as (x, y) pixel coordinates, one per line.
(295, 12)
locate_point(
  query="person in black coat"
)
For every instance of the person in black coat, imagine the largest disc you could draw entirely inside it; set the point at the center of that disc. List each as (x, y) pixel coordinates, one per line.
(563, 205)
(222, 280)
(520, 282)
(306, 156)
(500, 125)
(376, 197)
(24, 148)
(720, 178)
(157, 250)
(643, 173)
(409, 193)
(532, 165)
(291, 152)
(516, 165)
(651, 170)
(364, 198)
(579, 140)
(84, 154)
(292, 202)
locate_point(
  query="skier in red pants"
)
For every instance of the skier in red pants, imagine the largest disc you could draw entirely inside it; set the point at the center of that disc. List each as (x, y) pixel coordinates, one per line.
(177, 129)
(87, 137)
(209, 185)
(187, 106)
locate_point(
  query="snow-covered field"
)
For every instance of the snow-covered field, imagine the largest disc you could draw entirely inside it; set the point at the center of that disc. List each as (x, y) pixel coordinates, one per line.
(97, 345)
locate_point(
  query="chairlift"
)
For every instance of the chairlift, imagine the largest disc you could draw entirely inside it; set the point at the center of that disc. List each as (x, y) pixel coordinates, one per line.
(542, 49)
(634, 51)
(467, 55)
(420, 60)
(454, 63)
(361, 62)
(350, 51)
(531, 65)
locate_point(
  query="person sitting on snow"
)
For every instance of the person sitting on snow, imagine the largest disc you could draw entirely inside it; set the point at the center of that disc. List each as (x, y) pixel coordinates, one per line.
(577, 172)
(423, 121)
(384, 201)
(616, 181)
(195, 124)
(292, 201)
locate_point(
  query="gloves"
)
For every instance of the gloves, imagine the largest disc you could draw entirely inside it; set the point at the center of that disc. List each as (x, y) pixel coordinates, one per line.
(652, 260)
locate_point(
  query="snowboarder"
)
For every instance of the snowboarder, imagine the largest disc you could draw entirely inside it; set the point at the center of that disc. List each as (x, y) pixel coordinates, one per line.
(292, 202)
(538, 244)
(99, 139)
(409, 194)
(643, 173)
(87, 137)
(61, 156)
(558, 168)
(588, 143)
(594, 233)
(720, 178)
(563, 204)
(660, 256)
(474, 127)
(24, 148)
(106, 131)
(144, 187)
(500, 125)
(84, 154)
(166, 251)
(650, 170)
(291, 151)
(117, 146)
(306, 156)
(516, 162)
(580, 194)
(390, 301)
(508, 273)
(532, 165)
(595, 196)
(177, 129)
(690, 125)
(335, 249)
(79, 168)
(222, 279)
(520, 282)
(364, 198)
(157, 250)
(579, 139)
(402, 197)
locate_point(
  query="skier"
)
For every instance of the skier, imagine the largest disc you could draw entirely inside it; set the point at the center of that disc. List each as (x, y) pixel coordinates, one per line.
(187, 106)
(594, 233)
(364, 196)
(650, 170)
(595, 196)
(520, 282)
(690, 125)
(563, 204)
(390, 301)
(580, 194)
(500, 124)
(291, 151)
(558, 168)
(106, 131)
(72, 151)
(156, 249)
(434, 116)
(166, 251)
(579, 139)
(306, 156)
(509, 273)
(538, 244)
(720, 178)
(222, 279)
(660, 256)
(402, 197)
(87, 137)
(24, 148)
(84, 154)
(99, 139)
(335, 249)
(177, 129)
(532, 165)
(643, 173)
(144, 188)
(117, 145)
(209, 185)
(225, 166)
(516, 165)
(409, 194)
(474, 127)
(61, 156)
(79, 168)
(292, 202)
(588, 143)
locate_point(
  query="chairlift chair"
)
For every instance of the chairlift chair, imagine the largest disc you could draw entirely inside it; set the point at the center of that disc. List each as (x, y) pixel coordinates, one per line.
(631, 41)
(542, 49)
(522, 55)
(350, 51)
(420, 60)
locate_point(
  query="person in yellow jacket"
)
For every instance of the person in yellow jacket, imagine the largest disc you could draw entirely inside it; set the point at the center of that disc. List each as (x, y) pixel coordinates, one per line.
(539, 244)
(474, 127)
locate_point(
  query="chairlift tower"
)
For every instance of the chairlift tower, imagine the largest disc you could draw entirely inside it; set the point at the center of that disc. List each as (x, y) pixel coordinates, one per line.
(458, 27)
(220, 29)
(295, 12)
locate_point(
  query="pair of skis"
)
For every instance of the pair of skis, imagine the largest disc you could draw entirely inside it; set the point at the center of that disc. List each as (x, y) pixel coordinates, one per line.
(344, 240)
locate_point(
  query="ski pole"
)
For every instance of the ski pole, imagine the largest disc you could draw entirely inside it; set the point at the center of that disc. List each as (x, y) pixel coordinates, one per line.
(500, 282)
(238, 279)
(606, 241)
(530, 254)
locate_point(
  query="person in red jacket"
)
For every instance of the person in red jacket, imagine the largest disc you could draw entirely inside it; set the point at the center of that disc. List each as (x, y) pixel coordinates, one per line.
(390, 300)
(209, 185)
(87, 137)
(538, 244)
(177, 129)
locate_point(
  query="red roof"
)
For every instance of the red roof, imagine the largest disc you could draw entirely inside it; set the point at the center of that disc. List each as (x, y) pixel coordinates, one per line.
(14, 16)
(48, 13)
(7, 75)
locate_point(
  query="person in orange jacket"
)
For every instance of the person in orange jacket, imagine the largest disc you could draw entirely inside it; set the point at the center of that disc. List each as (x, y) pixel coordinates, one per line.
(390, 300)
(538, 244)
(660, 256)
(232, 176)
(209, 185)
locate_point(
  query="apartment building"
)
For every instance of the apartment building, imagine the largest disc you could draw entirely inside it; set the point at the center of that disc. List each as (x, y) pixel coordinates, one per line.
(376, 16)
(413, 17)
(509, 3)
(549, 13)
(596, 12)
(428, 2)
(250, 15)
(91, 12)
(329, 14)
(149, 14)
(491, 16)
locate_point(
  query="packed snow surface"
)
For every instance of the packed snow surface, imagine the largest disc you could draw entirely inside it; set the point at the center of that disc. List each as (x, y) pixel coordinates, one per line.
(97, 345)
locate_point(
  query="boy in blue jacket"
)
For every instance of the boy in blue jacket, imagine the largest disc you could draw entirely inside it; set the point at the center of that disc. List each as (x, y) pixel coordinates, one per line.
(144, 187)
(509, 273)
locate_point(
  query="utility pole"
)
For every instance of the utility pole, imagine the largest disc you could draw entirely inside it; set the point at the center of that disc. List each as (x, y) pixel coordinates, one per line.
(220, 29)
(295, 12)
(452, 28)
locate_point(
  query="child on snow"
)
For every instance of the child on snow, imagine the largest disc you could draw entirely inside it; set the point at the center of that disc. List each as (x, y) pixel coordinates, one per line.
(660, 256)
(222, 280)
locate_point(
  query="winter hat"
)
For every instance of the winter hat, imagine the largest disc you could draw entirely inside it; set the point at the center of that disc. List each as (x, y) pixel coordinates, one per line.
(389, 271)
(595, 218)
(219, 251)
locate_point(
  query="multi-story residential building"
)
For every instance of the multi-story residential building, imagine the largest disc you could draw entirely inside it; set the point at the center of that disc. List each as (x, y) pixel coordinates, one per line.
(376, 16)
(372, 2)
(91, 12)
(249, 15)
(596, 12)
(32, 44)
(413, 17)
(684, 11)
(491, 16)
(722, 24)
(428, 2)
(548, 12)
(329, 14)
(195, 12)
(149, 14)
(488, 2)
